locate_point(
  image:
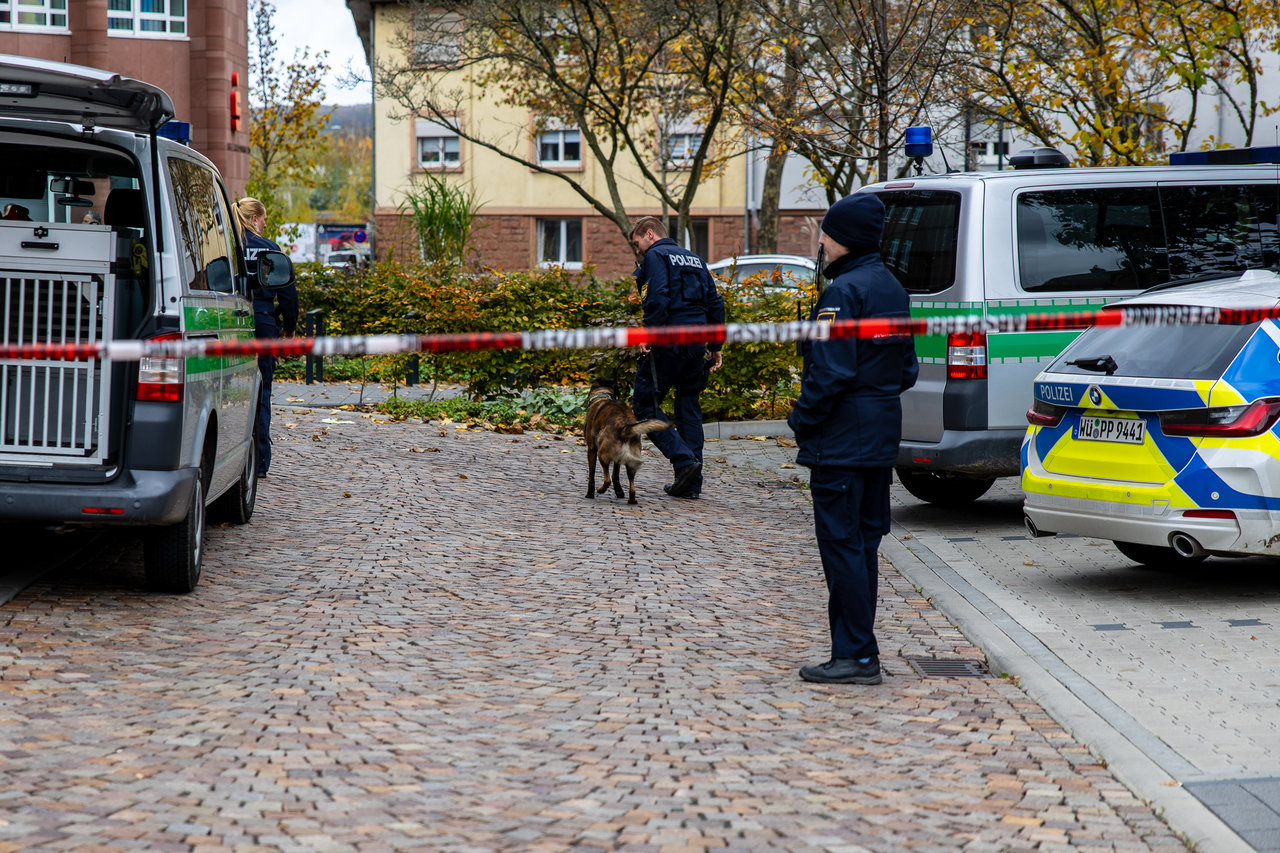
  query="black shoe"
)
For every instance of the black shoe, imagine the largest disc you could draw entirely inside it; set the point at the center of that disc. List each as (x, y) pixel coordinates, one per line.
(685, 479)
(691, 496)
(262, 475)
(843, 671)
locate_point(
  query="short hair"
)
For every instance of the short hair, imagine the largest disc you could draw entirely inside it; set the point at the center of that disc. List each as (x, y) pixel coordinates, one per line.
(649, 223)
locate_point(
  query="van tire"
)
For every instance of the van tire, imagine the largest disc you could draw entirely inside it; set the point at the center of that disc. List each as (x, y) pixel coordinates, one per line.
(173, 555)
(236, 506)
(941, 489)
(1157, 556)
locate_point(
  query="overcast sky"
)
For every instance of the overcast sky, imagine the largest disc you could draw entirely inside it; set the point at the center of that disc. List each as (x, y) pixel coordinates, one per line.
(322, 25)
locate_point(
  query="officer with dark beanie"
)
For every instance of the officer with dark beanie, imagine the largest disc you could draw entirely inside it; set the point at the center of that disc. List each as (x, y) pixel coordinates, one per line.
(847, 425)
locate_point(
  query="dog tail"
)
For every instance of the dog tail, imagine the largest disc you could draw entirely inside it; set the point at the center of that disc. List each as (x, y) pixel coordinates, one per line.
(646, 427)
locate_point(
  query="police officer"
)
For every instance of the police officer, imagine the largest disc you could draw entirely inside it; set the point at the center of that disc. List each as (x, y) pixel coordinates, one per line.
(272, 310)
(675, 290)
(847, 425)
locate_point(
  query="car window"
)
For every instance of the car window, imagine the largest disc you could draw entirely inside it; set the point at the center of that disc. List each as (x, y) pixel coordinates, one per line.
(202, 220)
(921, 235)
(1227, 228)
(1169, 352)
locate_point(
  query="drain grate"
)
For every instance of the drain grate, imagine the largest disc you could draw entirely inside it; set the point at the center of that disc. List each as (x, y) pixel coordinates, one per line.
(949, 668)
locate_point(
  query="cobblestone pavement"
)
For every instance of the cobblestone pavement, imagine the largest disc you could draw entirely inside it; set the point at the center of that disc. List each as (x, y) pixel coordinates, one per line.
(428, 639)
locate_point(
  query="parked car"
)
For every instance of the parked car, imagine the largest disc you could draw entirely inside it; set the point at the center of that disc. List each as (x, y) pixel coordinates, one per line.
(1045, 238)
(347, 259)
(790, 272)
(150, 443)
(1163, 438)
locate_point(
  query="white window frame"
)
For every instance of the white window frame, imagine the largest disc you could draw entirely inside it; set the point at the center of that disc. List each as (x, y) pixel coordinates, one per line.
(137, 16)
(47, 8)
(427, 129)
(563, 244)
(689, 141)
(558, 137)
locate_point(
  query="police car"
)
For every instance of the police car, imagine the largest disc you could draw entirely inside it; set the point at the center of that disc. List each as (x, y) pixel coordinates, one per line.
(1163, 438)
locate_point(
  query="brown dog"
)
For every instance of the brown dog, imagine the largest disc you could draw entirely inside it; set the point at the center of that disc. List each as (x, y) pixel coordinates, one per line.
(613, 437)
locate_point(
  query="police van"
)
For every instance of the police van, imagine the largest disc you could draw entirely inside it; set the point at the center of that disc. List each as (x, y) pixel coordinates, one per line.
(112, 231)
(1045, 238)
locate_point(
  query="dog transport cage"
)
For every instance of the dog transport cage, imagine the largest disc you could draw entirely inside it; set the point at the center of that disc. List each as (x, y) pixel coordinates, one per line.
(56, 286)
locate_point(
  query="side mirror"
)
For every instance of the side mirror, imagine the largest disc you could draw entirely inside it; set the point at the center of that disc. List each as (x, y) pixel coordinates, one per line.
(275, 270)
(218, 275)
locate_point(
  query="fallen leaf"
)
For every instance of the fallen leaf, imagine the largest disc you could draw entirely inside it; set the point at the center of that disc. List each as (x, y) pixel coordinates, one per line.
(289, 426)
(414, 449)
(1028, 562)
(721, 459)
(347, 408)
(566, 450)
(758, 437)
(346, 494)
(1171, 783)
(783, 441)
(433, 450)
(302, 411)
(295, 399)
(315, 438)
(908, 536)
(334, 421)
(786, 466)
(462, 476)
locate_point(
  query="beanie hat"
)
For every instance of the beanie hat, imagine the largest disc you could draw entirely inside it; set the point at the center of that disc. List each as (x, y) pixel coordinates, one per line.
(855, 221)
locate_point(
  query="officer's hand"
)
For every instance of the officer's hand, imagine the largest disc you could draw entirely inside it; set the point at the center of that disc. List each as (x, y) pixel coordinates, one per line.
(716, 359)
(644, 348)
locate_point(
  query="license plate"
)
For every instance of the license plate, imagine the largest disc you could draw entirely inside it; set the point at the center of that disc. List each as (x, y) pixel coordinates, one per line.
(1123, 430)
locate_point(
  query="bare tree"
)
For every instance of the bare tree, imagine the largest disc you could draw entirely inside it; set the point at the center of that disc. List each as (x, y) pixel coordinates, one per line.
(593, 65)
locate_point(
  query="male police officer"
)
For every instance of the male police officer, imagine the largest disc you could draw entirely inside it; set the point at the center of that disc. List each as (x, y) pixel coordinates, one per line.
(675, 290)
(847, 424)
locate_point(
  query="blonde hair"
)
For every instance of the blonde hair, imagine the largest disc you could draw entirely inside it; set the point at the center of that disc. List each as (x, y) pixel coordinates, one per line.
(246, 209)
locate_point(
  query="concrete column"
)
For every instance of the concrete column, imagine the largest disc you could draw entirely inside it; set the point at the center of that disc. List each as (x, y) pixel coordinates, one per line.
(87, 20)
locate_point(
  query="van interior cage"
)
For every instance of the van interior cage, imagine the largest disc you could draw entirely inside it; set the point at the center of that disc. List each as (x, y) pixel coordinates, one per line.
(54, 411)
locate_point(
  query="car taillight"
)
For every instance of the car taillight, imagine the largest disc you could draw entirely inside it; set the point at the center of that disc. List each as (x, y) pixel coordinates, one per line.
(161, 380)
(967, 355)
(1241, 421)
(1045, 414)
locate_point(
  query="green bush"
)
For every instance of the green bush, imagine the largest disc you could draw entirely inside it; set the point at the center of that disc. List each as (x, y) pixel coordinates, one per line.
(756, 380)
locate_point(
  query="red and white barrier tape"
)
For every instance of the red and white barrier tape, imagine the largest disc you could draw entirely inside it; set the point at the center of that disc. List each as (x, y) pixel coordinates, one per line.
(731, 333)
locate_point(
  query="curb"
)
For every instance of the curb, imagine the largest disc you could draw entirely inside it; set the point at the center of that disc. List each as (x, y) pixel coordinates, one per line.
(1138, 759)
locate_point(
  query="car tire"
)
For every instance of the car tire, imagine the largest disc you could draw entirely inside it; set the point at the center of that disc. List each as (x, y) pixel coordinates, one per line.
(1156, 556)
(173, 555)
(236, 506)
(941, 489)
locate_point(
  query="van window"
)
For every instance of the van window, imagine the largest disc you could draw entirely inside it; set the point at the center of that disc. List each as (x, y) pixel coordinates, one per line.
(1102, 238)
(1226, 228)
(921, 233)
(202, 223)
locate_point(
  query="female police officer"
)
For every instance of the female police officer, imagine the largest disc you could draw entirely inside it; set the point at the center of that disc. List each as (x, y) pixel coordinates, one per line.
(847, 424)
(272, 309)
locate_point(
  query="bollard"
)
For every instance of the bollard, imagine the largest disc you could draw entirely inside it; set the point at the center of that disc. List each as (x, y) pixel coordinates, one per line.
(411, 373)
(315, 329)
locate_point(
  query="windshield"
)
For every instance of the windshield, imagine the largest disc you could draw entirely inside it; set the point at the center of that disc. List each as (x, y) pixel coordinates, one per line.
(1170, 352)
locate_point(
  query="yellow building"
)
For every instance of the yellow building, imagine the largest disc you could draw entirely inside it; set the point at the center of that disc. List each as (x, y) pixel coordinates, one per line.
(530, 214)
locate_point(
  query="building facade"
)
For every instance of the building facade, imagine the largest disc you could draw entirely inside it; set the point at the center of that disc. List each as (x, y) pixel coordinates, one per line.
(529, 217)
(196, 50)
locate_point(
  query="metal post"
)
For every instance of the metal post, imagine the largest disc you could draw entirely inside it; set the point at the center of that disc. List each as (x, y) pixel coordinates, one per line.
(315, 329)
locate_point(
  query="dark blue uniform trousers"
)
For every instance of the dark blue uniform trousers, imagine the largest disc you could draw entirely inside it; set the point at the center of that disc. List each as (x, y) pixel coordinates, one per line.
(850, 516)
(264, 327)
(683, 368)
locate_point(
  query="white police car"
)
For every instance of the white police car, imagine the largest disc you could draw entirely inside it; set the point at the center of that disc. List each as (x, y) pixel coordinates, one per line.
(1163, 438)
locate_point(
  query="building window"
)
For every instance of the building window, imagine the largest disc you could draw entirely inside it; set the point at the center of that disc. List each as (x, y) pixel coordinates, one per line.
(560, 243)
(147, 17)
(698, 238)
(437, 39)
(39, 14)
(680, 149)
(988, 153)
(438, 146)
(560, 148)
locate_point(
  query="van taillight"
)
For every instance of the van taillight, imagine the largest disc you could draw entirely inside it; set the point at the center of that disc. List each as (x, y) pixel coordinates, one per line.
(161, 380)
(967, 355)
(1045, 414)
(1241, 421)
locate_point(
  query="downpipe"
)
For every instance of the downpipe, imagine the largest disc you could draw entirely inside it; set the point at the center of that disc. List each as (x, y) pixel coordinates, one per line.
(1185, 546)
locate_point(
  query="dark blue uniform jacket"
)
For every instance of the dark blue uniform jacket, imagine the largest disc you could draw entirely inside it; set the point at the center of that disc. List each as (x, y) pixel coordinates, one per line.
(676, 289)
(849, 413)
(264, 301)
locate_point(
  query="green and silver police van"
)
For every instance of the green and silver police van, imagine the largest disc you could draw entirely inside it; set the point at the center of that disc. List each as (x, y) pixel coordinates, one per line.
(1042, 238)
(112, 231)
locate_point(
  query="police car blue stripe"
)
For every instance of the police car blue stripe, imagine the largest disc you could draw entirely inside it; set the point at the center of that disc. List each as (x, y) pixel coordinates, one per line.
(1200, 483)
(1255, 371)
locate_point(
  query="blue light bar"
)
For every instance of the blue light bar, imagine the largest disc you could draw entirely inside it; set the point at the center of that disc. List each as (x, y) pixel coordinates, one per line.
(178, 131)
(1227, 156)
(919, 141)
